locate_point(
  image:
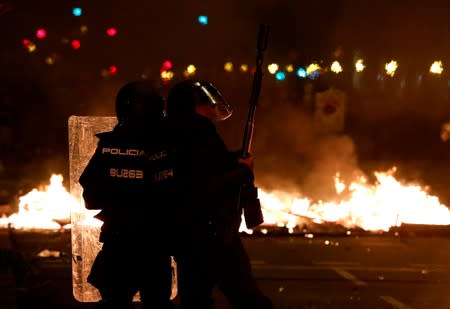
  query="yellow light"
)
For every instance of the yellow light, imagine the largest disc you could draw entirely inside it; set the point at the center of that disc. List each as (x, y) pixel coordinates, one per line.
(289, 68)
(243, 68)
(359, 65)
(228, 66)
(336, 67)
(391, 67)
(436, 67)
(272, 68)
(166, 75)
(191, 69)
(312, 68)
(84, 29)
(31, 48)
(49, 60)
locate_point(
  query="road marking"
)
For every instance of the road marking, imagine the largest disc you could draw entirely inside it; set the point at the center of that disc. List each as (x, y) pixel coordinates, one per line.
(338, 263)
(394, 302)
(341, 266)
(345, 274)
(431, 266)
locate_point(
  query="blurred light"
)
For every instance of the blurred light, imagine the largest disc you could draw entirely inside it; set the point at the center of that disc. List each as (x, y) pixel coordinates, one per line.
(419, 79)
(273, 67)
(313, 68)
(336, 67)
(112, 69)
(191, 69)
(41, 33)
(228, 66)
(403, 83)
(314, 74)
(436, 67)
(290, 68)
(26, 43)
(77, 11)
(280, 75)
(166, 76)
(391, 67)
(49, 60)
(243, 68)
(203, 20)
(359, 65)
(166, 65)
(84, 29)
(75, 44)
(445, 132)
(29, 45)
(301, 72)
(111, 31)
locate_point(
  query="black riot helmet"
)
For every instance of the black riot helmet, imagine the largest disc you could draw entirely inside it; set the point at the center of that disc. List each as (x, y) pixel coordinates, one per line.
(139, 101)
(186, 95)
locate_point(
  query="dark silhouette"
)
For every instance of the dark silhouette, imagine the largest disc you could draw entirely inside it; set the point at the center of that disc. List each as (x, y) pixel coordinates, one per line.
(128, 179)
(209, 177)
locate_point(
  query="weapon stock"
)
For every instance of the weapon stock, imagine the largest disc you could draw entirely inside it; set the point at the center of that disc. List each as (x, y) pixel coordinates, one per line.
(248, 195)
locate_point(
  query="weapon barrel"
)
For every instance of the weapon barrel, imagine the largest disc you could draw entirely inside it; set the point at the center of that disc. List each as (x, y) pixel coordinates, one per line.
(261, 46)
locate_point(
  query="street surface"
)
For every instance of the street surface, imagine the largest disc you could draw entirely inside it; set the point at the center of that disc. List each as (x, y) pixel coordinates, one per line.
(297, 272)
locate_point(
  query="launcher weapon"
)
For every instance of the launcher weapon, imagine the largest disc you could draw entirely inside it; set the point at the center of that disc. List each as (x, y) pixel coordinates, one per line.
(248, 195)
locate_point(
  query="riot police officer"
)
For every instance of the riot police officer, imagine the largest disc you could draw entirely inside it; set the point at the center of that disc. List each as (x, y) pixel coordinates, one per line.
(208, 178)
(128, 179)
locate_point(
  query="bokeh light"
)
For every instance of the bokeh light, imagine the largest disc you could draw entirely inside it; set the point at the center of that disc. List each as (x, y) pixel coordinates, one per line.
(166, 65)
(29, 45)
(41, 33)
(336, 67)
(280, 75)
(77, 11)
(203, 20)
(436, 67)
(112, 69)
(75, 44)
(273, 68)
(111, 31)
(301, 72)
(391, 67)
(359, 65)
(228, 66)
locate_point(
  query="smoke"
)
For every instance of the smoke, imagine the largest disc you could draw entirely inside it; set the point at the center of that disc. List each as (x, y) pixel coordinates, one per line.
(292, 154)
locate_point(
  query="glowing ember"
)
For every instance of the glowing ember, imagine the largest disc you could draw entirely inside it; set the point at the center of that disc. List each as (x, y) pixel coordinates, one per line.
(377, 207)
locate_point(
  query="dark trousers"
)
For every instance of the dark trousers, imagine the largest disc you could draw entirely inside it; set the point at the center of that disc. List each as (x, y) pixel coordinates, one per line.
(225, 264)
(125, 266)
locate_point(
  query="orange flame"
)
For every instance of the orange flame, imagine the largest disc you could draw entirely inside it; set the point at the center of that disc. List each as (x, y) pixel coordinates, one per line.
(377, 207)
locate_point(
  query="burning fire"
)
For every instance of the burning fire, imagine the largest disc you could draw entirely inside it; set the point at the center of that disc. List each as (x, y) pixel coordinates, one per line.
(49, 208)
(376, 207)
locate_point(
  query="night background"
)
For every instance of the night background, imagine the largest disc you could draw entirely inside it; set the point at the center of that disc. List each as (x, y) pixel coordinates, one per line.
(78, 66)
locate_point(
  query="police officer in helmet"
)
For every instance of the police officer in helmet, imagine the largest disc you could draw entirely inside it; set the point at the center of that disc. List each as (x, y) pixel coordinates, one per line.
(128, 179)
(210, 251)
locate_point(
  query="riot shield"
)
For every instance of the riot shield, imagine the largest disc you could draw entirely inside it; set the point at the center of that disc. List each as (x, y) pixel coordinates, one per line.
(85, 228)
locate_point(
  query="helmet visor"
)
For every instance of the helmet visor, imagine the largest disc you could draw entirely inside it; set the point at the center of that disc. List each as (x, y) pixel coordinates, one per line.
(221, 110)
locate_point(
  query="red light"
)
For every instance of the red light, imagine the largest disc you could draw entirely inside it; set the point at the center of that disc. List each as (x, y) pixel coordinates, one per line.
(41, 33)
(166, 66)
(111, 31)
(112, 69)
(75, 44)
(26, 43)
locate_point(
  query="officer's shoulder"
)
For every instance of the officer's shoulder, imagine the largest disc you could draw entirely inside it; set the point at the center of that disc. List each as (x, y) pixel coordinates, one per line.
(105, 135)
